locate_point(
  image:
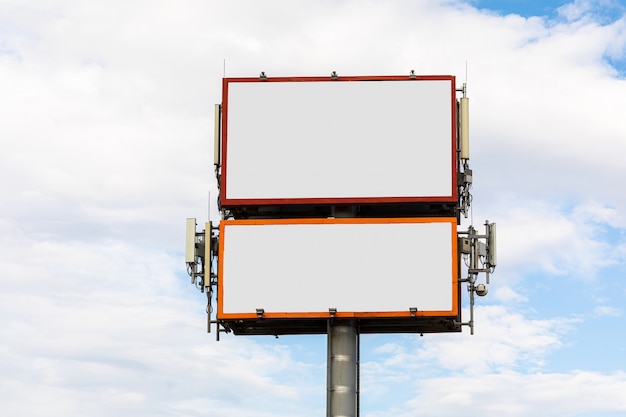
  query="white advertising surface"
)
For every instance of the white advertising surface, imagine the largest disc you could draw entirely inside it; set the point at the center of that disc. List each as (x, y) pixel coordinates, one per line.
(301, 268)
(356, 140)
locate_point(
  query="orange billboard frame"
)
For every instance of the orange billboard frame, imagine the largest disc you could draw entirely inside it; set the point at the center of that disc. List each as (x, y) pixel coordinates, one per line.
(249, 230)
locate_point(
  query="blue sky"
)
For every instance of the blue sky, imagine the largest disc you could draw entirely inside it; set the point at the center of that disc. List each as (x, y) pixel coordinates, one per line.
(525, 8)
(107, 120)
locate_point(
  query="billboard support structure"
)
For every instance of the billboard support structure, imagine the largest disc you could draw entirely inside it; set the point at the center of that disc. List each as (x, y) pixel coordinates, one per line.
(309, 225)
(342, 373)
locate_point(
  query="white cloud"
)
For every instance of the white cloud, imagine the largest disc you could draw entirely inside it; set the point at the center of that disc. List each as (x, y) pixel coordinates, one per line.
(503, 340)
(513, 394)
(600, 311)
(535, 236)
(506, 295)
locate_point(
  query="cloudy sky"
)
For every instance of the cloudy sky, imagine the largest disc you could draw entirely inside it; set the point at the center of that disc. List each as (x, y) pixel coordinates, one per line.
(106, 122)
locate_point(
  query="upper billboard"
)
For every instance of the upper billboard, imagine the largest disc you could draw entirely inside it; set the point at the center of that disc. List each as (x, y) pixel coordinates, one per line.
(360, 268)
(354, 140)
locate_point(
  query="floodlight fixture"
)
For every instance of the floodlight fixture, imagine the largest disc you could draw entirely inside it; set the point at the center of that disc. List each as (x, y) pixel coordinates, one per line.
(481, 290)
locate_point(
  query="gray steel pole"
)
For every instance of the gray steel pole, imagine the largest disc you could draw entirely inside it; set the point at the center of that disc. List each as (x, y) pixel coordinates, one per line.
(342, 369)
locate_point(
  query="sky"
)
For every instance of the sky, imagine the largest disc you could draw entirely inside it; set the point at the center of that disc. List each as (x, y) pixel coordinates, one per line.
(106, 124)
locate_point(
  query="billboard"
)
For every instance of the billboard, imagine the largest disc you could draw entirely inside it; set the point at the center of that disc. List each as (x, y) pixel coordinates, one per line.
(343, 267)
(354, 140)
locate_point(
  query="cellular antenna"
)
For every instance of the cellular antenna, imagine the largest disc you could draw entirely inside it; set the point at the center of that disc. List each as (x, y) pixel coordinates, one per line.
(464, 125)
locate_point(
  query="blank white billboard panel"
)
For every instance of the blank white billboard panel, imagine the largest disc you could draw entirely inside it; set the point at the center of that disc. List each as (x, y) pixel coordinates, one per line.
(355, 140)
(361, 267)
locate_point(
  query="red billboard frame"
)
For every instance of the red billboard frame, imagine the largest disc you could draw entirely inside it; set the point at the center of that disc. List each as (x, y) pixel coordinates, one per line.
(248, 202)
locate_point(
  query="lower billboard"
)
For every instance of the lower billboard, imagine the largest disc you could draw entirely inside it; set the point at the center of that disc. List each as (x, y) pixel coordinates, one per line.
(292, 275)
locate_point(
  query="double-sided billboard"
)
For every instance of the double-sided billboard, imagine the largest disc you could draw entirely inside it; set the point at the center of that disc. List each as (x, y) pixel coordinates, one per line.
(353, 140)
(344, 267)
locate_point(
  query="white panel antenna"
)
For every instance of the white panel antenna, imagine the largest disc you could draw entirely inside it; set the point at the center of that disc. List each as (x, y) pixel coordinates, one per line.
(190, 241)
(464, 126)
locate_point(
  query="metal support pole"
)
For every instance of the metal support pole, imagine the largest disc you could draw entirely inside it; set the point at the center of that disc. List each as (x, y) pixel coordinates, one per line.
(342, 369)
